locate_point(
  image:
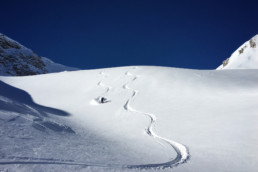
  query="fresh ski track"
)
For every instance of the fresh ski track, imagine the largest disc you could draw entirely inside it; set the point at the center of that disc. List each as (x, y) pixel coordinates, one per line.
(181, 150)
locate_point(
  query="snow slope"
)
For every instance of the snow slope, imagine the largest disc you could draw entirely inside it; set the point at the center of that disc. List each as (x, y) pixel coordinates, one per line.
(18, 60)
(156, 118)
(245, 57)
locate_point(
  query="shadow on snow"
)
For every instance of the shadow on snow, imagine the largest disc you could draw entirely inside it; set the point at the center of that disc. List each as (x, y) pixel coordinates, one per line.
(20, 102)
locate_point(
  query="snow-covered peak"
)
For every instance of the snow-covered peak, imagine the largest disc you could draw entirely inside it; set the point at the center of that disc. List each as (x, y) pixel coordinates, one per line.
(18, 60)
(245, 57)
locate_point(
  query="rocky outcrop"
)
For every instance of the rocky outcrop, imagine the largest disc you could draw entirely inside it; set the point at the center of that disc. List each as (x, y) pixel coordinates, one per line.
(17, 60)
(245, 57)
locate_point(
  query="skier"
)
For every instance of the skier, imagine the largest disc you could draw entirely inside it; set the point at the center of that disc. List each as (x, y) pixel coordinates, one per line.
(103, 100)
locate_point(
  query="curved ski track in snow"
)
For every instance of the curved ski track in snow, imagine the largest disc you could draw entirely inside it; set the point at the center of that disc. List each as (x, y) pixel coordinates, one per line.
(100, 83)
(181, 150)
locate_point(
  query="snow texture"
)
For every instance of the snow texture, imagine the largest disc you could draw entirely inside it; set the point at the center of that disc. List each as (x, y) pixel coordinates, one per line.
(17, 60)
(245, 57)
(157, 118)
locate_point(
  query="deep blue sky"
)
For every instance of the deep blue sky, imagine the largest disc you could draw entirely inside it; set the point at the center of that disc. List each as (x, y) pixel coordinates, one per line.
(95, 34)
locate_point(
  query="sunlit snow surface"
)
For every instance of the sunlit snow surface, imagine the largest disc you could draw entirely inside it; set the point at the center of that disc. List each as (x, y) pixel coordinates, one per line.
(156, 118)
(245, 57)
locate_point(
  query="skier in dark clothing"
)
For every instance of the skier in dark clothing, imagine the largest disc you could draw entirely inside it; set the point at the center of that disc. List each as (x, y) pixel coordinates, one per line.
(103, 100)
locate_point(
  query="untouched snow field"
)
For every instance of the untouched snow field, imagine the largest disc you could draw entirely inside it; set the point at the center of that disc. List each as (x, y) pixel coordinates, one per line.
(157, 118)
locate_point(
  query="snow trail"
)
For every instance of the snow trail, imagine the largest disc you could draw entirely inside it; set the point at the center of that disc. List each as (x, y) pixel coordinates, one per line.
(181, 150)
(31, 161)
(108, 88)
(97, 100)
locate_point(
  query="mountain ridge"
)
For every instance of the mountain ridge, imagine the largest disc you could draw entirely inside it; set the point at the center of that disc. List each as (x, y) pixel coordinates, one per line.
(18, 60)
(245, 57)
